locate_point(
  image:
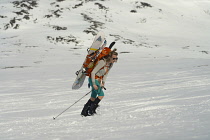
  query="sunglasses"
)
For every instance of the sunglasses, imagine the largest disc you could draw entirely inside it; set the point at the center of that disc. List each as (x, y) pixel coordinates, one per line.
(114, 58)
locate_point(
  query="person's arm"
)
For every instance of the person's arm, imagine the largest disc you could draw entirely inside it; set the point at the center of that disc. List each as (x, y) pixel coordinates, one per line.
(100, 64)
(105, 76)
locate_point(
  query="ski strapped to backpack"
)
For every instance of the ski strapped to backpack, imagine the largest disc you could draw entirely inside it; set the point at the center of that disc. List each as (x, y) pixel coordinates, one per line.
(93, 58)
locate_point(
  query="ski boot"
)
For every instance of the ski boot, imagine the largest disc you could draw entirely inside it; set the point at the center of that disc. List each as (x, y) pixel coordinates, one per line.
(93, 107)
(86, 108)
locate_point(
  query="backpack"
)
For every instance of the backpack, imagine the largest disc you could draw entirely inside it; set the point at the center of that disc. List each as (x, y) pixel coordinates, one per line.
(92, 59)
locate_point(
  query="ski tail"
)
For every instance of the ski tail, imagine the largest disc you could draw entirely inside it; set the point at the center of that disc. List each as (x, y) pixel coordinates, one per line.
(111, 45)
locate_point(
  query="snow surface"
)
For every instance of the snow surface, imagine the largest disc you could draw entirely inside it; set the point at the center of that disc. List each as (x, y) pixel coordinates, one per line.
(158, 90)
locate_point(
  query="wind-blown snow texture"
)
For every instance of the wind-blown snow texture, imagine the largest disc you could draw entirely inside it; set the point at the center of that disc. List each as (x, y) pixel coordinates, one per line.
(158, 90)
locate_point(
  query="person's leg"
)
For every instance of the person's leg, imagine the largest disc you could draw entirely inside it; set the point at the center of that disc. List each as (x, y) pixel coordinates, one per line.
(100, 97)
(88, 104)
(86, 108)
(95, 93)
(94, 105)
(90, 101)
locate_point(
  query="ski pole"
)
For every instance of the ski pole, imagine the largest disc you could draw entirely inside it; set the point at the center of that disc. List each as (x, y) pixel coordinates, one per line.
(71, 106)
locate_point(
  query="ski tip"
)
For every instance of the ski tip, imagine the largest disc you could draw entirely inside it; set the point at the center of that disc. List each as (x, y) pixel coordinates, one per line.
(112, 44)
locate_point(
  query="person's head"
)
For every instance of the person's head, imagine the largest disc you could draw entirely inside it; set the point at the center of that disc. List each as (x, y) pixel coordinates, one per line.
(112, 57)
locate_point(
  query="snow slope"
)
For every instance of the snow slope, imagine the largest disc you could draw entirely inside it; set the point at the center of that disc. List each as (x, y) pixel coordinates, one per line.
(158, 90)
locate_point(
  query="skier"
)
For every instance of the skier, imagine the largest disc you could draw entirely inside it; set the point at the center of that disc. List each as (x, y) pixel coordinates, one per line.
(97, 81)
